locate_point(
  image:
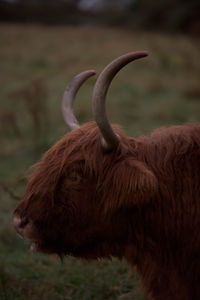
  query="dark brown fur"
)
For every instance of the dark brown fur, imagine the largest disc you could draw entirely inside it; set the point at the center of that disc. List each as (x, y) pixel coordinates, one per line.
(140, 201)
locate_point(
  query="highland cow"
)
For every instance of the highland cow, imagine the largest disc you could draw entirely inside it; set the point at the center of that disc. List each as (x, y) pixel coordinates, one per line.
(98, 193)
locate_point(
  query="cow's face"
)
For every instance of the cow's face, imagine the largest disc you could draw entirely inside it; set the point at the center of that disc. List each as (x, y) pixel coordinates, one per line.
(77, 201)
(60, 211)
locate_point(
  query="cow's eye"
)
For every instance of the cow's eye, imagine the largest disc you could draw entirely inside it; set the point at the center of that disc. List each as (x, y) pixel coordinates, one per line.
(75, 178)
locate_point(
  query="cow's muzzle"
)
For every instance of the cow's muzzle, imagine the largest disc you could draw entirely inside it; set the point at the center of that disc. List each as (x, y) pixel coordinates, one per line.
(25, 229)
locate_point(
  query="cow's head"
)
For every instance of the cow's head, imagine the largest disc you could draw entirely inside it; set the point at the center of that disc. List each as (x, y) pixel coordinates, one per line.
(80, 196)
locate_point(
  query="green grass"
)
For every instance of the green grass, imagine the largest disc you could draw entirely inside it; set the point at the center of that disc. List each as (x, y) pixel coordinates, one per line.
(160, 90)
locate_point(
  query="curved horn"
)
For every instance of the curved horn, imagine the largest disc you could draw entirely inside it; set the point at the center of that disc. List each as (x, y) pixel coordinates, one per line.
(110, 138)
(69, 97)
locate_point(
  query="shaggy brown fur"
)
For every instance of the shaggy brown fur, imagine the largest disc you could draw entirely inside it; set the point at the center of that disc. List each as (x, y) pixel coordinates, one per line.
(140, 201)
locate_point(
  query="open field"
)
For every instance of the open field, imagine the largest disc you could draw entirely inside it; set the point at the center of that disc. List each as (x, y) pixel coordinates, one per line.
(35, 65)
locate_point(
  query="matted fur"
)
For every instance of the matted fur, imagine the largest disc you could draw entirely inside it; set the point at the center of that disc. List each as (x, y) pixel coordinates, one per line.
(140, 201)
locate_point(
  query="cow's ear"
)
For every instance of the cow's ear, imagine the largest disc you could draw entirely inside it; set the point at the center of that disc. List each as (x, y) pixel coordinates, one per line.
(131, 182)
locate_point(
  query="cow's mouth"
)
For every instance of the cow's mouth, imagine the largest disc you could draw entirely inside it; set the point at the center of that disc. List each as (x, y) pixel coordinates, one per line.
(38, 241)
(26, 230)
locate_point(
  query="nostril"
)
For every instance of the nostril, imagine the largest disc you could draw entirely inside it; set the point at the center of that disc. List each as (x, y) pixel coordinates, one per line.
(19, 222)
(24, 222)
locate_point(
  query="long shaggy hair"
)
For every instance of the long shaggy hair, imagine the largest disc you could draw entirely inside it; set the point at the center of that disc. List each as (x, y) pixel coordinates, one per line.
(140, 201)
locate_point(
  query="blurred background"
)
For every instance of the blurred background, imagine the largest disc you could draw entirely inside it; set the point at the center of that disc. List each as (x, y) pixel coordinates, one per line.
(43, 44)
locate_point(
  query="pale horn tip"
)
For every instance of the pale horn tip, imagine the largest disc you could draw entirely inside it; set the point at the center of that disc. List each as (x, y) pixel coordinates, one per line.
(137, 54)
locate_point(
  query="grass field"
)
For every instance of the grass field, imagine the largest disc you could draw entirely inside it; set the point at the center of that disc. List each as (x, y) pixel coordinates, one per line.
(35, 65)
